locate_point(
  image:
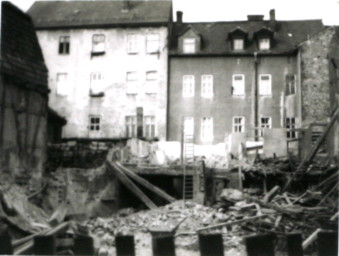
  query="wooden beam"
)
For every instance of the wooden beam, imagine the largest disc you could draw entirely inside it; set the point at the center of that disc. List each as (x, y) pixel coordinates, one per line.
(309, 157)
(146, 183)
(130, 185)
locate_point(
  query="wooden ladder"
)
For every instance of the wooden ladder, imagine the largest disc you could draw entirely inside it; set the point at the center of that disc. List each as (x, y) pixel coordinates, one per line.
(188, 160)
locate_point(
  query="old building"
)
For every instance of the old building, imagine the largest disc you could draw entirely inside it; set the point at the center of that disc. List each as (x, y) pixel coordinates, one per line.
(236, 77)
(107, 64)
(23, 99)
(319, 60)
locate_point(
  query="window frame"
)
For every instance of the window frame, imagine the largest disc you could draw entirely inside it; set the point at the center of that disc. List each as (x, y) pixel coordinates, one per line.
(235, 48)
(290, 123)
(131, 126)
(149, 126)
(188, 125)
(96, 84)
(191, 43)
(207, 86)
(132, 84)
(151, 41)
(133, 43)
(242, 85)
(188, 93)
(265, 126)
(241, 124)
(98, 46)
(207, 129)
(291, 82)
(151, 83)
(261, 91)
(64, 46)
(264, 41)
(95, 125)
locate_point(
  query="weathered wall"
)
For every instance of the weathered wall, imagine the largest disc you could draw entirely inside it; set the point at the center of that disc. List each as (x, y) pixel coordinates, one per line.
(24, 134)
(223, 106)
(115, 104)
(315, 78)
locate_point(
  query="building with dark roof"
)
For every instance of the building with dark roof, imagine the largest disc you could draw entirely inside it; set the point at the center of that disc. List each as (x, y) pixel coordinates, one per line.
(107, 64)
(235, 77)
(24, 96)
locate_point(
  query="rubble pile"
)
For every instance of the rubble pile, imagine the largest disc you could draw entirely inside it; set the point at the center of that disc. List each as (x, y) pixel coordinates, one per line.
(181, 218)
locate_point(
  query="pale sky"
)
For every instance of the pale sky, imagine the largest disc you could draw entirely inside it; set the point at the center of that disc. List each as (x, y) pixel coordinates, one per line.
(229, 10)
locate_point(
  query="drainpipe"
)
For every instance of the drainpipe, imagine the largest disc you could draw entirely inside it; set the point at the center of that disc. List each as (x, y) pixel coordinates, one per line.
(256, 100)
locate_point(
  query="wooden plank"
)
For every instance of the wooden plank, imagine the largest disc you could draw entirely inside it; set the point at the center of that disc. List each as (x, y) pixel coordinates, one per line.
(309, 157)
(130, 185)
(311, 238)
(146, 183)
(270, 194)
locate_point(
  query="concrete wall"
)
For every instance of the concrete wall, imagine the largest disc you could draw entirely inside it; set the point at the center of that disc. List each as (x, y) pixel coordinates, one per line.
(24, 134)
(77, 105)
(224, 106)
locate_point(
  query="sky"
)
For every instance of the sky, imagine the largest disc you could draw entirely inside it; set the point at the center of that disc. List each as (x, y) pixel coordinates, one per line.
(231, 10)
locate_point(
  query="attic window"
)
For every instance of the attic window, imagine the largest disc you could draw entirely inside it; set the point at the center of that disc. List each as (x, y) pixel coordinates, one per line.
(238, 44)
(264, 44)
(64, 45)
(189, 45)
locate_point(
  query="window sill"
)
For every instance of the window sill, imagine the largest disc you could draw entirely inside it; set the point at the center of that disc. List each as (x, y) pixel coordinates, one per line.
(97, 53)
(132, 53)
(97, 95)
(238, 95)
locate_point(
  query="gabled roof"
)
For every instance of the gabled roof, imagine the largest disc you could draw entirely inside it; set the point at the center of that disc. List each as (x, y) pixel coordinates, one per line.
(287, 34)
(21, 57)
(73, 14)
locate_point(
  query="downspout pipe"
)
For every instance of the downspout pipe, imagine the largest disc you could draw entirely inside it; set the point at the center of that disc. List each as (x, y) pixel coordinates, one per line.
(256, 96)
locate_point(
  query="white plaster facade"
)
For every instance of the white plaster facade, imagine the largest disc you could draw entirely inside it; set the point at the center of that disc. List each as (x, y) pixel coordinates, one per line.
(77, 105)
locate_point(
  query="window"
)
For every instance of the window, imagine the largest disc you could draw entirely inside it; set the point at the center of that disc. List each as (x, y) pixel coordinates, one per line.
(149, 129)
(152, 43)
(64, 45)
(189, 45)
(98, 45)
(188, 125)
(207, 86)
(94, 123)
(264, 44)
(62, 85)
(207, 129)
(290, 84)
(238, 44)
(265, 123)
(238, 85)
(96, 83)
(132, 43)
(238, 124)
(131, 79)
(151, 82)
(265, 85)
(188, 86)
(131, 126)
(290, 124)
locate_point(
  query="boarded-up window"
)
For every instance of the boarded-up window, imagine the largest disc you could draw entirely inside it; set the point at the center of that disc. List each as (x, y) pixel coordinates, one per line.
(265, 85)
(98, 43)
(207, 129)
(238, 85)
(149, 126)
(207, 86)
(188, 86)
(131, 126)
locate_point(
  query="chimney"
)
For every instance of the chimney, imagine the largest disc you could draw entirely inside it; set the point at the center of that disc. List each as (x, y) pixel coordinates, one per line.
(125, 5)
(179, 17)
(272, 14)
(272, 21)
(255, 17)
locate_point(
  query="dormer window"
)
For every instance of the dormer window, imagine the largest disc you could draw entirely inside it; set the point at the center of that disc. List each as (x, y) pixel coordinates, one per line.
(189, 45)
(264, 44)
(238, 44)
